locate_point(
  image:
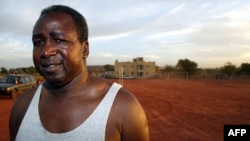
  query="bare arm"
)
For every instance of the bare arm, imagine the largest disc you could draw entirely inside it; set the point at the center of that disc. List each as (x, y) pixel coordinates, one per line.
(18, 111)
(134, 124)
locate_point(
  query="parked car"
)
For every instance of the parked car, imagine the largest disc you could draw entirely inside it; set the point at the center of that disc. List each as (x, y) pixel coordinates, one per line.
(15, 84)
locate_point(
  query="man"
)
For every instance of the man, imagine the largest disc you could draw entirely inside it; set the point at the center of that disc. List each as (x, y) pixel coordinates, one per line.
(71, 105)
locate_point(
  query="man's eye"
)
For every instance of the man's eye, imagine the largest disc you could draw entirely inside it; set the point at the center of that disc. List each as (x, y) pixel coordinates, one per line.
(38, 43)
(59, 40)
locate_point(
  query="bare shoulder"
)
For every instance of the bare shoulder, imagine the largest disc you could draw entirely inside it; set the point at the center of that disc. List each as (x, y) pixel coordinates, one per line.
(132, 118)
(18, 111)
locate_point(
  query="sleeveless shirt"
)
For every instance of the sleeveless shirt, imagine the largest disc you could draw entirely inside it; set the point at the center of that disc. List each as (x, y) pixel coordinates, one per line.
(92, 129)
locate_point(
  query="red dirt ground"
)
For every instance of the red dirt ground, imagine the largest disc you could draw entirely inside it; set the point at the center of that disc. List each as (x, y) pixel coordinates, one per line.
(180, 110)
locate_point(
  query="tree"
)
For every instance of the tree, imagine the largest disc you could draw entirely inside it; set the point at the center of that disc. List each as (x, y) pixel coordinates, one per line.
(169, 68)
(3, 70)
(187, 65)
(109, 67)
(32, 70)
(229, 69)
(245, 68)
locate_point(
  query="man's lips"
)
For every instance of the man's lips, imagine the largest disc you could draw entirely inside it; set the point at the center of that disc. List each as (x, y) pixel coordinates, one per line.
(50, 67)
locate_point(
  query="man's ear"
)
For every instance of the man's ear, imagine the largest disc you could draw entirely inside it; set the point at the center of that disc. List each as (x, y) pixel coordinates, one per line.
(85, 46)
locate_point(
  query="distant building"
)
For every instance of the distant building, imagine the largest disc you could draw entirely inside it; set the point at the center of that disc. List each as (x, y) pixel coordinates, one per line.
(138, 68)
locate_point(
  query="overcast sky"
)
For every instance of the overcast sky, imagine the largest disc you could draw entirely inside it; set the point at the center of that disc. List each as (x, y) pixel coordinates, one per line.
(209, 32)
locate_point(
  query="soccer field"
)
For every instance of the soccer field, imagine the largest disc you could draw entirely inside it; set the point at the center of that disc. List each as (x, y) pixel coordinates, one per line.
(194, 110)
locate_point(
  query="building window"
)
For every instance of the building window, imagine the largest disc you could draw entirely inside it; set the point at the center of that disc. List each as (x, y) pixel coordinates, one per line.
(140, 74)
(140, 67)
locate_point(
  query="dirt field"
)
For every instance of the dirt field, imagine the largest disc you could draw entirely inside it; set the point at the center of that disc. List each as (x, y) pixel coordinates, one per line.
(181, 110)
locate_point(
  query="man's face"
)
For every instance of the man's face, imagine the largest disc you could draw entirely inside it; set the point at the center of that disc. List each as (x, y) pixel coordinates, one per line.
(57, 54)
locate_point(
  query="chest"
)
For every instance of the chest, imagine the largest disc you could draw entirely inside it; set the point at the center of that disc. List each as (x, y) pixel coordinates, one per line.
(62, 116)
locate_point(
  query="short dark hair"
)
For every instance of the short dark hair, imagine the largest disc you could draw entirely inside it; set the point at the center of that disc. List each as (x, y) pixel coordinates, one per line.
(79, 20)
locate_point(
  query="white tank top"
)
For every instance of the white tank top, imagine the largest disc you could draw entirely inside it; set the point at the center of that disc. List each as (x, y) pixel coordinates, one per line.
(92, 129)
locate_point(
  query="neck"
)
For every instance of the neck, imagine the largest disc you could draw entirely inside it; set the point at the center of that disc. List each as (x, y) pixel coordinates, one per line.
(76, 86)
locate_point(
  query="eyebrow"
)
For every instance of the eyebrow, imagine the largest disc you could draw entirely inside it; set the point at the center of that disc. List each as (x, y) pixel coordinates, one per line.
(39, 35)
(56, 34)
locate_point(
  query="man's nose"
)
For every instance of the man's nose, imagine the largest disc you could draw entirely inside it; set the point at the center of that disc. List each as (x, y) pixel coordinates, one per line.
(48, 50)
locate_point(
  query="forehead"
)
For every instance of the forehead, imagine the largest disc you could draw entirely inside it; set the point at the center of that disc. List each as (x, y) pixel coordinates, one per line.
(54, 21)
